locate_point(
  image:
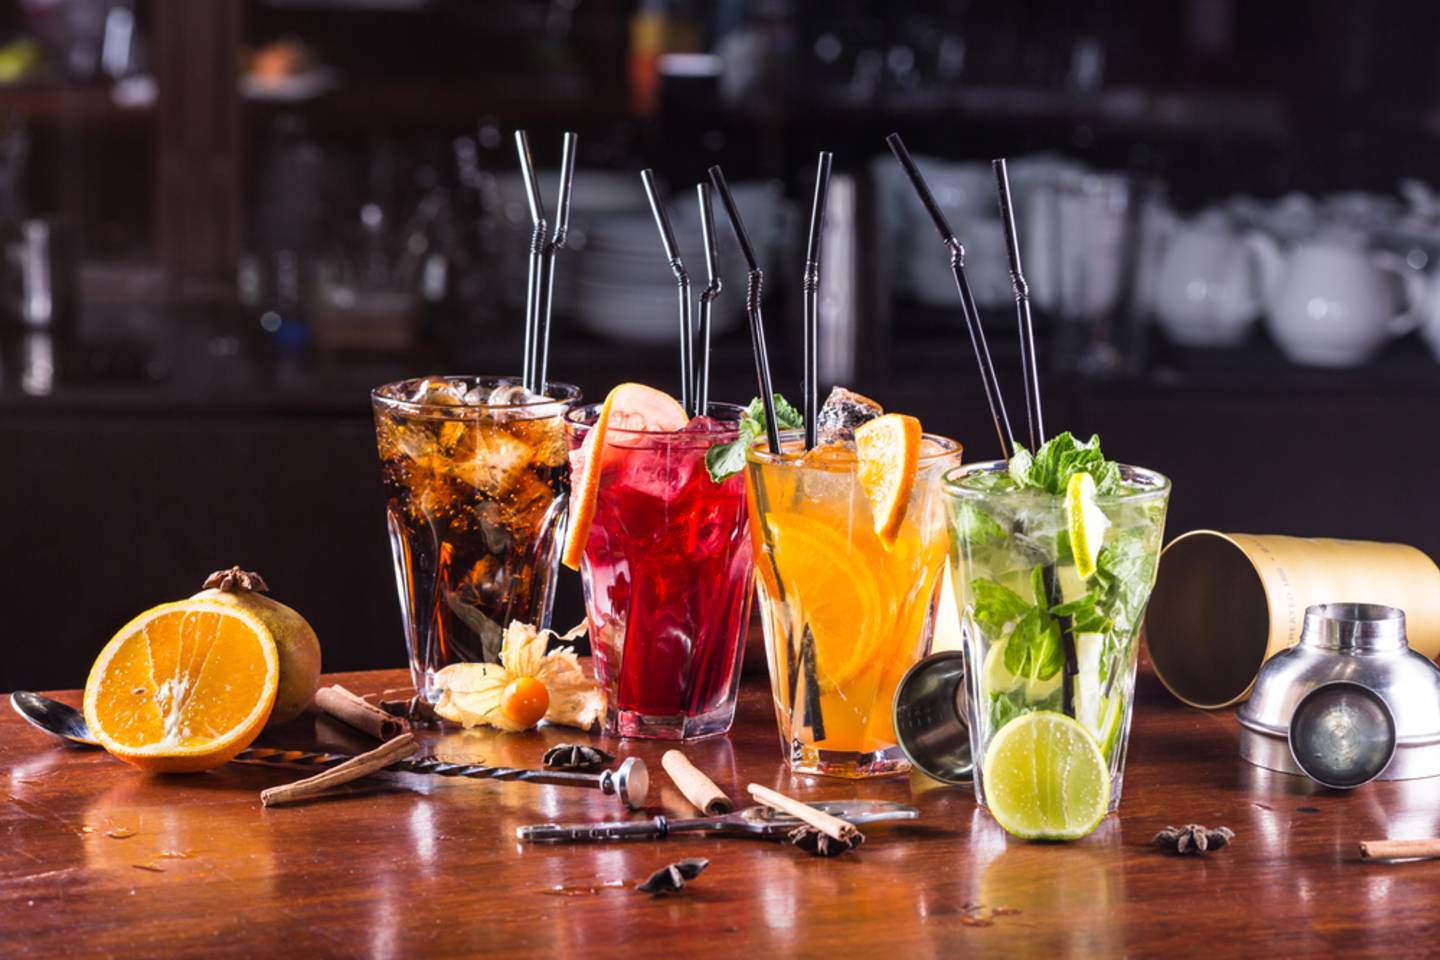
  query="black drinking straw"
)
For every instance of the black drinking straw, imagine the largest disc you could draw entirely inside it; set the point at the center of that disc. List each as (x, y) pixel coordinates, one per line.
(967, 300)
(1035, 420)
(754, 281)
(811, 285)
(547, 262)
(682, 282)
(707, 298)
(537, 247)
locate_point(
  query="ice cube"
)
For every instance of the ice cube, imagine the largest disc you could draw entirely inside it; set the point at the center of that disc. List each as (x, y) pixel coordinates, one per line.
(416, 441)
(499, 460)
(546, 436)
(704, 424)
(524, 510)
(509, 395)
(438, 391)
(842, 412)
(661, 472)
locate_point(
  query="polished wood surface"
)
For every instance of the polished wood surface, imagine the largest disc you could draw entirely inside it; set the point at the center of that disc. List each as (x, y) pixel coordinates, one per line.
(99, 859)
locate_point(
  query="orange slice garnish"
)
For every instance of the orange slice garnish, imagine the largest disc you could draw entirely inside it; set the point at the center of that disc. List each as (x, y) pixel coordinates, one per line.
(888, 449)
(841, 587)
(630, 406)
(183, 687)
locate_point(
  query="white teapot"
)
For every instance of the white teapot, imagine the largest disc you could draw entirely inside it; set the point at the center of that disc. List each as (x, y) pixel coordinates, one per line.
(1206, 289)
(1427, 309)
(1332, 302)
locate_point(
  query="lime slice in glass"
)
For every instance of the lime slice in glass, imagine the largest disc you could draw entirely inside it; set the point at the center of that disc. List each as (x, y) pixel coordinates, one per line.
(1086, 521)
(1045, 778)
(1110, 720)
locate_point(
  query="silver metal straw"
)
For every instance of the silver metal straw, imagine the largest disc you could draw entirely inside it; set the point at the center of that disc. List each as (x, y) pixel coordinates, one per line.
(682, 282)
(547, 263)
(967, 299)
(1035, 420)
(811, 399)
(533, 283)
(755, 280)
(707, 299)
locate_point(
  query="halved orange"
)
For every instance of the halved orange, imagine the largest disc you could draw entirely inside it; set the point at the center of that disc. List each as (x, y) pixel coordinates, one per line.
(888, 448)
(183, 687)
(630, 406)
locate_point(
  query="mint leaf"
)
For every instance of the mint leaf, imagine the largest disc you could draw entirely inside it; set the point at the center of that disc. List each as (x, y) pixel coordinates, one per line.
(1033, 648)
(1006, 706)
(1125, 571)
(975, 528)
(1084, 613)
(996, 605)
(1060, 458)
(788, 417)
(724, 460)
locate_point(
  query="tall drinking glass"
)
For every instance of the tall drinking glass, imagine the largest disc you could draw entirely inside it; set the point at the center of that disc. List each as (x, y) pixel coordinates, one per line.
(844, 615)
(477, 482)
(1017, 583)
(667, 575)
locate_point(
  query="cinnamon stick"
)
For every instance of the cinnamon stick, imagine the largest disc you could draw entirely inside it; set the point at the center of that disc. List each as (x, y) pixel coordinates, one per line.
(355, 711)
(697, 788)
(831, 826)
(1399, 849)
(391, 751)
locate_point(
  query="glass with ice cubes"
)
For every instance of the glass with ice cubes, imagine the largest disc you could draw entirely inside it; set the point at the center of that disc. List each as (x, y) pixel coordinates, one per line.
(667, 575)
(476, 481)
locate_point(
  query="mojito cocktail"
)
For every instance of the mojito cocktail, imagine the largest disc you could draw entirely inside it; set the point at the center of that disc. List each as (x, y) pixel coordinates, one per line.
(666, 565)
(1054, 557)
(476, 480)
(847, 604)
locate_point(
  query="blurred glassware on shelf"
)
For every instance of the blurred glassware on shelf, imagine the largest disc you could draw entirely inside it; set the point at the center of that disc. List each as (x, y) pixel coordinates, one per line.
(839, 305)
(41, 271)
(619, 286)
(285, 71)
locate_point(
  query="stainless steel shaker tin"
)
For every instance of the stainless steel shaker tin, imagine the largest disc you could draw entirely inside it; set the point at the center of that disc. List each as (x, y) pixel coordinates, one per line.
(1362, 644)
(929, 712)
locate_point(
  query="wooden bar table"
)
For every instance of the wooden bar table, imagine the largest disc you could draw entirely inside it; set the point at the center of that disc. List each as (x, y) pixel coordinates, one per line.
(98, 859)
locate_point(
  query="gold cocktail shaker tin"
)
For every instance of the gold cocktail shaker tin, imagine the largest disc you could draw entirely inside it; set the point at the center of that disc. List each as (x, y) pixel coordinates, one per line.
(1224, 603)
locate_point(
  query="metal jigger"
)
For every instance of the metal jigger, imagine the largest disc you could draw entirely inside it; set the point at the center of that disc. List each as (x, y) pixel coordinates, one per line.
(1350, 703)
(930, 723)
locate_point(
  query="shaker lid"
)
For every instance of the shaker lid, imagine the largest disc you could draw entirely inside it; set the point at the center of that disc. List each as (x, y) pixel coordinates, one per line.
(1353, 627)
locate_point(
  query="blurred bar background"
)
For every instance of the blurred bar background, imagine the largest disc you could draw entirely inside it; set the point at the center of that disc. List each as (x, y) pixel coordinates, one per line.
(224, 221)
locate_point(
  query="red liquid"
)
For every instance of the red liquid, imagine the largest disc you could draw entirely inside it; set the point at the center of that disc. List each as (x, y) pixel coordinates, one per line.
(667, 573)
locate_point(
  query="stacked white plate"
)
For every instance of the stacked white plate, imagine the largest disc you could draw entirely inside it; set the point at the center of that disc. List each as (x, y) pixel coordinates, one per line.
(613, 278)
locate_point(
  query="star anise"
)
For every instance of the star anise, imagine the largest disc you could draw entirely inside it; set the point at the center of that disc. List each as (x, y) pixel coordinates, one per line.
(236, 580)
(671, 878)
(575, 756)
(1192, 839)
(820, 844)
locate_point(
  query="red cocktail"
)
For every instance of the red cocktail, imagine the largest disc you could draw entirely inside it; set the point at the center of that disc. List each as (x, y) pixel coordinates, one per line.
(666, 571)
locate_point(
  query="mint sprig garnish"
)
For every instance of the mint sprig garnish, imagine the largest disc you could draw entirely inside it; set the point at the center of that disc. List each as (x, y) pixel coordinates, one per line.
(724, 460)
(1058, 459)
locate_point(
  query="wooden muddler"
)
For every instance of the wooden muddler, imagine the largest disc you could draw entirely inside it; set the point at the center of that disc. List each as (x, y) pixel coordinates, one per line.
(1399, 849)
(357, 712)
(831, 826)
(392, 751)
(698, 788)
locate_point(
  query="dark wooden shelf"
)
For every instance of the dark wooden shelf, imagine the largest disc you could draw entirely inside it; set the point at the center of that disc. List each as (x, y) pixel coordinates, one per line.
(76, 105)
